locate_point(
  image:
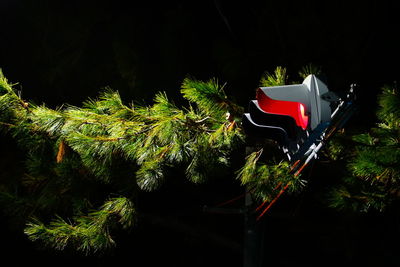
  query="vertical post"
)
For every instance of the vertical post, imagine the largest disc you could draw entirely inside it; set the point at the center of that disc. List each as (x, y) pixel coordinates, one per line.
(253, 236)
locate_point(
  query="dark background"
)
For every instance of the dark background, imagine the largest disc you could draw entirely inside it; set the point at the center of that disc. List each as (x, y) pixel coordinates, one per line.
(66, 51)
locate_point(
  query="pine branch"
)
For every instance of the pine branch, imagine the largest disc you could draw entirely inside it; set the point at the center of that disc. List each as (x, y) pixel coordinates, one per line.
(373, 161)
(266, 178)
(279, 77)
(72, 149)
(389, 107)
(210, 98)
(88, 233)
(309, 69)
(106, 127)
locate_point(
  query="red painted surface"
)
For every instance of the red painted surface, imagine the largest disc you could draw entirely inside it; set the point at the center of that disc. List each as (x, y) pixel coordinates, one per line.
(296, 110)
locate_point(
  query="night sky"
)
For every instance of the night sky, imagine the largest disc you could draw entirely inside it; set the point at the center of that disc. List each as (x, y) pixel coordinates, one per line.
(66, 51)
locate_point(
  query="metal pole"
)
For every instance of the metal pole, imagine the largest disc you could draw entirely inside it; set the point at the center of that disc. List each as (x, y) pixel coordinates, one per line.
(253, 237)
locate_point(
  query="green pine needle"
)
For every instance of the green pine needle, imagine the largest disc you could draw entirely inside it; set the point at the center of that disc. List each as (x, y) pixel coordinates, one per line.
(88, 233)
(277, 78)
(309, 69)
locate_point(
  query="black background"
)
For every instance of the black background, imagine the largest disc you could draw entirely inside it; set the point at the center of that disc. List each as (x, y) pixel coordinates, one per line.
(66, 51)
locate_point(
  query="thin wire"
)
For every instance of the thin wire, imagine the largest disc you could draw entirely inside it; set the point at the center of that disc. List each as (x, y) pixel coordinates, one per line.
(273, 201)
(235, 198)
(281, 192)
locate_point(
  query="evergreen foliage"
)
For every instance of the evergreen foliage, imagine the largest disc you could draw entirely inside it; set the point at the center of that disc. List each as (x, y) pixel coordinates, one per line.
(309, 69)
(265, 178)
(77, 158)
(374, 179)
(75, 153)
(87, 233)
(277, 78)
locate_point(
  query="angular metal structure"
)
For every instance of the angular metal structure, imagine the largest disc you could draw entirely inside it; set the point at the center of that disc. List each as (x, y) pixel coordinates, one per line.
(289, 113)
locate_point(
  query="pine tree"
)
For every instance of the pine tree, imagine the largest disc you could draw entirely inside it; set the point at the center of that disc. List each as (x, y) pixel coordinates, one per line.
(85, 166)
(373, 179)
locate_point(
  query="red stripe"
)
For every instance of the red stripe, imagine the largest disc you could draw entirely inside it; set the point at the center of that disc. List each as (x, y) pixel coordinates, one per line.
(296, 110)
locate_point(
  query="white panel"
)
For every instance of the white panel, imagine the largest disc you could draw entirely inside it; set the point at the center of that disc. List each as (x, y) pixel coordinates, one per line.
(315, 117)
(308, 93)
(294, 93)
(325, 109)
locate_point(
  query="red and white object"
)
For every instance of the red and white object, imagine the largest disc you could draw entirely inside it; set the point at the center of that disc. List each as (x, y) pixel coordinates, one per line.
(302, 102)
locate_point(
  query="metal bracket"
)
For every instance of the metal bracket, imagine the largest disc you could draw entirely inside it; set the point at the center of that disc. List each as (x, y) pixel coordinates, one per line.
(330, 97)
